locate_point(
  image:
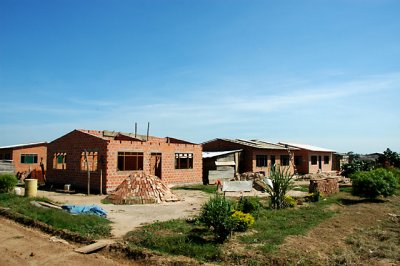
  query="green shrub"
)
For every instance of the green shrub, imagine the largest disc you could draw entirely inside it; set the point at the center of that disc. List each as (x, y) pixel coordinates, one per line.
(249, 205)
(314, 196)
(355, 166)
(216, 214)
(7, 182)
(242, 221)
(290, 201)
(371, 184)
(281, 179)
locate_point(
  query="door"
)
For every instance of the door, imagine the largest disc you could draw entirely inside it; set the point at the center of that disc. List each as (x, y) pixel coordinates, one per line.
(155, 164)
(320, 162)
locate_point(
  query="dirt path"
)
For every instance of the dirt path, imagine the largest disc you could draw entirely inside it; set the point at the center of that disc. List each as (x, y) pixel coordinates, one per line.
(20, 245)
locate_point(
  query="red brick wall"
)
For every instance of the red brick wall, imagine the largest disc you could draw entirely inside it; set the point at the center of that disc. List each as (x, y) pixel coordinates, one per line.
(168, 172)
(74, 143)
(276, 153)
(248, 164)
(307, 167)
(40, 150)
(305, 161)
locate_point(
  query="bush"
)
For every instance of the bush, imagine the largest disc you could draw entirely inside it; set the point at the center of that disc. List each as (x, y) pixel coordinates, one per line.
(7, 182)
(281, 179)
(242, 221)
(314, 196)
(249, 205)
(290, 201)
(355, 166)
(378, 182)
(216, 214)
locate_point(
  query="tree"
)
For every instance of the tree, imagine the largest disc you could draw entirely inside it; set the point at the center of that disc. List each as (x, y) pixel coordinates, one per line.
(389, 158)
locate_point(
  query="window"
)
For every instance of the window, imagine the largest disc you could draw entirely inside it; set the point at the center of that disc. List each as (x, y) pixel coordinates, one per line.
(326, 159)
(5, 156)
(272, 160)
(28, 158)
(91, 161)
(261, 160)
(314, 160)
(298, 160)
(284, 160)
(130, 161)
(60, 161)
(183, 160)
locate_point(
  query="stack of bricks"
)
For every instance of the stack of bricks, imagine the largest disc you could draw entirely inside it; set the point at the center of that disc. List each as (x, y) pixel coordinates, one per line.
(327, 186)
(142, 189)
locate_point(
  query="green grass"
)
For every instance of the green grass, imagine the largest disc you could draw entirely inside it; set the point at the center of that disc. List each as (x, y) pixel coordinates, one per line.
(205, 188)
(85, 225)
(180, 237)
(346, 189)
(177, 237)
(274, 226)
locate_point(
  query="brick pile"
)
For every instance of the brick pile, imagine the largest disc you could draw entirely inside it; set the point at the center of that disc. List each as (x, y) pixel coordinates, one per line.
(327, 186)
(142, 189)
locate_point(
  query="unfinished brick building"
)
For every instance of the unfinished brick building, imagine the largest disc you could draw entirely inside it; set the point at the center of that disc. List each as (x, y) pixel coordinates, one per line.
(112, 156)
(311, 159)
(255, 155)
(26, 158)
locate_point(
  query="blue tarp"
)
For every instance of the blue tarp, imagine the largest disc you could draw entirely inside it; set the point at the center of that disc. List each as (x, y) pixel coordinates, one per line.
(85, 209)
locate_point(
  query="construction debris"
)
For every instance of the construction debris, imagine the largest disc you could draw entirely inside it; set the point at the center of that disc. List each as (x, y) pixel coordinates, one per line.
(249, 176)
(141, 189)
(327, 186)
(93, 247)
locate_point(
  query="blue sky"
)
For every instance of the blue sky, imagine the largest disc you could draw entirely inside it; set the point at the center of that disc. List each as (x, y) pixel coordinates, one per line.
(325, 73)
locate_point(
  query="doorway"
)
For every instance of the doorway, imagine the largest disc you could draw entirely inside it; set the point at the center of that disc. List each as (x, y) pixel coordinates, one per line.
(155, 164)
(320, 162)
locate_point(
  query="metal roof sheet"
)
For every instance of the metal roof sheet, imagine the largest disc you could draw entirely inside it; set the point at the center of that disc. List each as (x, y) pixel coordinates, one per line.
(22, 145)
(211, 154)
(306, 147)
(257, 144)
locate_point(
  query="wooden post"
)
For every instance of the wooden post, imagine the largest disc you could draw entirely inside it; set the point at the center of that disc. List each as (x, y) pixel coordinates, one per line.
(148, 128)
(101, 174)
(101, 181)
(88, 173)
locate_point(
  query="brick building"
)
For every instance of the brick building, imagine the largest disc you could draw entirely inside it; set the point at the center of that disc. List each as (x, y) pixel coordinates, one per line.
(25, 157)
(310, 159)
(255, 155)
(113, 156)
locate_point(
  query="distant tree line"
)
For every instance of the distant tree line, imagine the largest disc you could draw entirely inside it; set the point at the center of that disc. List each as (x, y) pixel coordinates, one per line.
(358, 162)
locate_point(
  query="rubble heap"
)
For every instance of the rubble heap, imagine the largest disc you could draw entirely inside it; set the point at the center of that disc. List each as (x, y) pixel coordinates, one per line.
(141, 189)
(247, 176)
(327, 186)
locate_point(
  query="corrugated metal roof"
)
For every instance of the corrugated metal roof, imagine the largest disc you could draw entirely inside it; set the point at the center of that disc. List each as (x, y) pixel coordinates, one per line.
(306, 147)
(22, 145)
(257, 144)
(211, 154)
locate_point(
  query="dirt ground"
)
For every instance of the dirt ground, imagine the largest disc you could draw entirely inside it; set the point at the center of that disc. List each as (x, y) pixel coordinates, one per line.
(125, 218)
(327, 243)
(21, 245)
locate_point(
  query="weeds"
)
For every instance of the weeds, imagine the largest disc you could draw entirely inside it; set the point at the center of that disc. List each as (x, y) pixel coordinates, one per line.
(86, 225)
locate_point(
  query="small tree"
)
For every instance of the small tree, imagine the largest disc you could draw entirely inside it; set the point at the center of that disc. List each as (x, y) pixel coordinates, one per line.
(389, 158)
(374, 183)
(281, 179)
(216, 214)
(7, 182)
